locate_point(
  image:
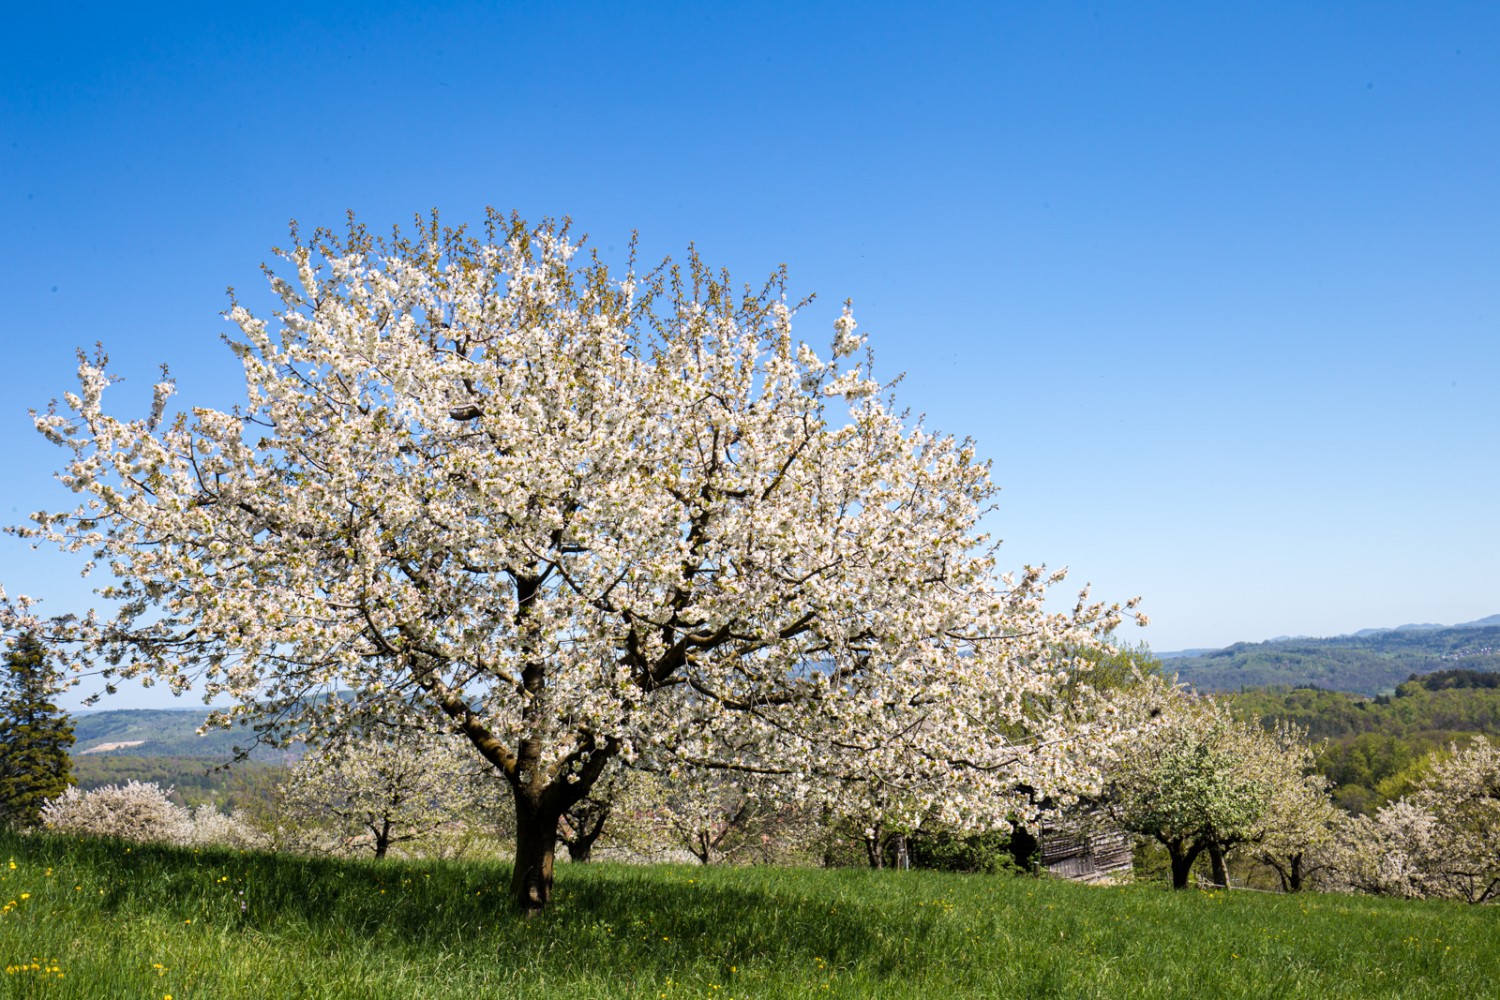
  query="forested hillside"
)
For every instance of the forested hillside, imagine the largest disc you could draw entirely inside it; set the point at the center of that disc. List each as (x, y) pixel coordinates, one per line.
(1372, 747)
(1371, 663)
(160, 733)
(162, 746)
(192, 780)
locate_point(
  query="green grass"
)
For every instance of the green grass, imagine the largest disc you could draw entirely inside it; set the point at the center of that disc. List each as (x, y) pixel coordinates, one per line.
(147, 922)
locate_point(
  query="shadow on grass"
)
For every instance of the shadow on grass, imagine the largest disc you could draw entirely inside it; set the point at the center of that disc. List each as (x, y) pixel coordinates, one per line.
(607, 919)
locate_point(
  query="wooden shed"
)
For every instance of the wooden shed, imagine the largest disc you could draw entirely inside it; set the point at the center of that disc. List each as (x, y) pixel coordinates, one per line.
(1096, 856)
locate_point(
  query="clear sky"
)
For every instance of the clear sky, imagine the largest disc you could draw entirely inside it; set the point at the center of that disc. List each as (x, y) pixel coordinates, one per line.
(1216, 286)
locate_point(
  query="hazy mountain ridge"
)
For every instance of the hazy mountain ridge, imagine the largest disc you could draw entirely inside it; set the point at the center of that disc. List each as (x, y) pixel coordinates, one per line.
(1367, 662)
(159, 732)
(1361, 634)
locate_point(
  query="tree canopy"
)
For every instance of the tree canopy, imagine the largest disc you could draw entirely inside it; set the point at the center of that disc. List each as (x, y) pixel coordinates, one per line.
(1200, 780)
(573, 516)
(34, 734)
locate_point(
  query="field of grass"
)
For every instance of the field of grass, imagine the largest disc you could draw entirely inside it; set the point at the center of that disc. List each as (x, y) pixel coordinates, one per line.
(89, 920)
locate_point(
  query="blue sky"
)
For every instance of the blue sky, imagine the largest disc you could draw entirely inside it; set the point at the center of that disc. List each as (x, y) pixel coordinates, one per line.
(1216, 286)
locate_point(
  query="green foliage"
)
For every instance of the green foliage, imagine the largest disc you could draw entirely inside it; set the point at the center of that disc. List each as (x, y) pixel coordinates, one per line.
(1407, 780)
(136, 921)
(194, 780)
(1444, 680)
(944, 850)
(1370, 743)
(1112, 667)
(1360, 664)
(34, 735)
(1120, 665)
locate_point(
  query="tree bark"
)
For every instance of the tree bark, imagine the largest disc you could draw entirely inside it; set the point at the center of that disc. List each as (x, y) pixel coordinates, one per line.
(1220, 866)
(702, 847)
(382, 838)
(581, 847)
(581, 850)
(541, 794)
(536, 846)
(1182, 861)
(581, 826)
(875, 848)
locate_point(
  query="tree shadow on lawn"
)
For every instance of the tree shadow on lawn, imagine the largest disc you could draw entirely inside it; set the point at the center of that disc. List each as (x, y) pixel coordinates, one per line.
(605, 917)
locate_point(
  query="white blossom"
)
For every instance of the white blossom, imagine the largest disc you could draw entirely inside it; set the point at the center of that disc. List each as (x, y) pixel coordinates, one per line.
(572, 519)
(136, 810)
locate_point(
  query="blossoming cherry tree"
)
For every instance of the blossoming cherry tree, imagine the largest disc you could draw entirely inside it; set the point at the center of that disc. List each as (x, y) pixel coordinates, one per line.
(571, 516)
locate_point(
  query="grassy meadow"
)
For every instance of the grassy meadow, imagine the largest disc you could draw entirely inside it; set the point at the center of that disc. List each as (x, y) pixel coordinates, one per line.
(98, 919)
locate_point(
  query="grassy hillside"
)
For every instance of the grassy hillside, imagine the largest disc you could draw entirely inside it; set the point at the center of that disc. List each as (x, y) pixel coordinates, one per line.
(90, 919)
(1367, 664)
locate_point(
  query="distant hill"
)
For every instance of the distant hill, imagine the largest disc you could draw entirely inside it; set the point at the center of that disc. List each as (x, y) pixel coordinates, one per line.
(1428, 627)
(1370, 662)
(159, 733)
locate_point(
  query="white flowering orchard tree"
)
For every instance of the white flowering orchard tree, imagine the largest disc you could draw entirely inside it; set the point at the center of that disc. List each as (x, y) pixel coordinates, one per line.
(1198, 780)
(1302, 833)
(1391, 853)
(573, 515)
(133, 811)
(1463, 791)
(1442, 841)
(380, 789)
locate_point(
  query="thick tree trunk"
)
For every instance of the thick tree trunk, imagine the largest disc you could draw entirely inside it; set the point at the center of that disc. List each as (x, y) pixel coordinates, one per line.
(536, 846)
(875, 851)
(581, 848)
(1294, 876)
(541, 792)
(1220, 866)
(1023, 847)
(1182, 862)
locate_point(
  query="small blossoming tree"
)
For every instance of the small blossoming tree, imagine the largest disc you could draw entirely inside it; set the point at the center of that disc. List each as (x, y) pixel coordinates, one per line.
(375, 790)
(132, 811)
(142, 811)
(1441, 841)
(575, 517)
(1199, 780)
(1302, 834)
(1463, 791)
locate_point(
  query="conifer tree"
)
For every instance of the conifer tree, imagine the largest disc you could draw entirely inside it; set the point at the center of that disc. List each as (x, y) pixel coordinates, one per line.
(34, 735)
